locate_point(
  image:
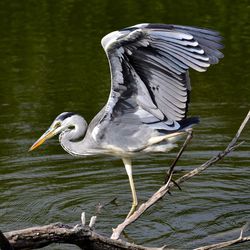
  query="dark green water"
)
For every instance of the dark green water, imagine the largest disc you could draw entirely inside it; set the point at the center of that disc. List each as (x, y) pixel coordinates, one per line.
(51, 61)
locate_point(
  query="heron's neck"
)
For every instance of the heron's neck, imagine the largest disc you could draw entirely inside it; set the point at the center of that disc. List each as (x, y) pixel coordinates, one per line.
(71, 139)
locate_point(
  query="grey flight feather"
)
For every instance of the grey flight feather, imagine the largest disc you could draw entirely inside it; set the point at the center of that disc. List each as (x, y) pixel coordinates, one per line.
(150, 85)
(149, 69)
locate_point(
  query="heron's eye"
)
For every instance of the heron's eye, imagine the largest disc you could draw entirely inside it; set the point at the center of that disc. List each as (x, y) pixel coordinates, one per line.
(57, 125)
(71, 127)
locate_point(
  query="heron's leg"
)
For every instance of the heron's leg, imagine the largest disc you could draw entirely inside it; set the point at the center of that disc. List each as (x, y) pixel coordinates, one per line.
(128, 167)
(169, 174)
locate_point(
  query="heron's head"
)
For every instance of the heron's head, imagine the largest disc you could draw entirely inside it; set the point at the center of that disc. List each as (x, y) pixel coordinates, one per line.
(64, 121)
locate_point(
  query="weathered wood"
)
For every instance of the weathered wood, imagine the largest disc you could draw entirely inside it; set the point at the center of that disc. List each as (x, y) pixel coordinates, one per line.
(84, 237)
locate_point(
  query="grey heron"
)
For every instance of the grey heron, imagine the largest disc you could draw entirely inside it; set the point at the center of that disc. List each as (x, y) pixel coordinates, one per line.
(146, 111)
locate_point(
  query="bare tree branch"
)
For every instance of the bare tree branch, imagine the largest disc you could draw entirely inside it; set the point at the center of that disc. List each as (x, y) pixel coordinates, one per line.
(82, 236)
(224, 244)
(240, 239)
(165, 188)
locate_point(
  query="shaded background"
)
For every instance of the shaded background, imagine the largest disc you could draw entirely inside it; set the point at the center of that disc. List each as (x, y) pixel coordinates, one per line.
(51, 61)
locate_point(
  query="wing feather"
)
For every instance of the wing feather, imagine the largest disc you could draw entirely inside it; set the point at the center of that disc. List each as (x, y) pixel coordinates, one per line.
(149, 66)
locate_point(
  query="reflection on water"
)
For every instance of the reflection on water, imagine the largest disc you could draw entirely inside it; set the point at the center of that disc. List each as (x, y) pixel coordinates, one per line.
(51, 61)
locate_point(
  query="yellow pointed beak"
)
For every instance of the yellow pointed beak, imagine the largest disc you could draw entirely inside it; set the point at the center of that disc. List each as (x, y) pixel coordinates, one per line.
(48, 134)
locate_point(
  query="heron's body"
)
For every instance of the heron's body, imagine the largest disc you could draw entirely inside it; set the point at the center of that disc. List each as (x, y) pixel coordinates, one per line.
(147, 107)
(124, 141)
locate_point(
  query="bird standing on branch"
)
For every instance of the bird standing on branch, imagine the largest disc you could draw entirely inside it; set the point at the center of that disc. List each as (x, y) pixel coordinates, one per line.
(146, 111)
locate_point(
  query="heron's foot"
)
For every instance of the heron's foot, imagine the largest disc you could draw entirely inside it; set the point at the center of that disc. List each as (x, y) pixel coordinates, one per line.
(132, 210)
(170, 172)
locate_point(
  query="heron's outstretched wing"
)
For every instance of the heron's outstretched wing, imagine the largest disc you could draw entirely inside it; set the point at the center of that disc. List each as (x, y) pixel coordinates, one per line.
(149, 69)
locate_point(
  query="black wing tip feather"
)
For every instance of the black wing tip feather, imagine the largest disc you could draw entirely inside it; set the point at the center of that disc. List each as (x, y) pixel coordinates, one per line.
(187, 28)
(208, 36)
(188, 122)
(183, 28)
(198, 50)
(208, 31)
(211, 37)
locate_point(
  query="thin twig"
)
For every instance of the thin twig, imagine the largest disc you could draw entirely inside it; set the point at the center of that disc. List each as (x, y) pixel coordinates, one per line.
(83, 219)
(165, 188)
(226, 243)
(92, 221)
